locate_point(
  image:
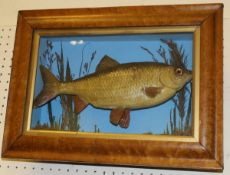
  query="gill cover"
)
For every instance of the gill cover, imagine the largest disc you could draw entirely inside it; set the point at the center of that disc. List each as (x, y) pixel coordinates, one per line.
(175, 77)
(168, 77)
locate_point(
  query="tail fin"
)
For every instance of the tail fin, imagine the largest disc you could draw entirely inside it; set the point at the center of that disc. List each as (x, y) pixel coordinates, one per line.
(50, 88)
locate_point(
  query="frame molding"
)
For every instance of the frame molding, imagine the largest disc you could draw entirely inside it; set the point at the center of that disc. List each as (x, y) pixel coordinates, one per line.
(206, 154)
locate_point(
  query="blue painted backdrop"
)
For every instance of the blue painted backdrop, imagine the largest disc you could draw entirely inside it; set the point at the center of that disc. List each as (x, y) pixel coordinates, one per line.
(123, 48)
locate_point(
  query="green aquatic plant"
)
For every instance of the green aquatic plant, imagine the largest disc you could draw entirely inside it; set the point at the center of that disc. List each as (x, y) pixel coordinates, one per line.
(86, 65)
(96, 129)
(177, 58)
(47, 60)
(69, 118)
(40, 126)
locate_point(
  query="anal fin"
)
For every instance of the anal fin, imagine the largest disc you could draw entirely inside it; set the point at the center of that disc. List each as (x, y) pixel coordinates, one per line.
(80, 105)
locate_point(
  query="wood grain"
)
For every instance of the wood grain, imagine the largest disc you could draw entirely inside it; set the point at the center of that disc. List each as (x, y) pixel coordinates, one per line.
(207, 154)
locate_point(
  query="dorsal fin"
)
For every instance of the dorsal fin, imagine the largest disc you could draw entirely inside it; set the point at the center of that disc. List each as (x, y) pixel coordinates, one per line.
(105, 63)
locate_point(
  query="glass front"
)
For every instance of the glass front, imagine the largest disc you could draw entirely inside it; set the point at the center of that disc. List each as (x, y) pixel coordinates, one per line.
(71, 58)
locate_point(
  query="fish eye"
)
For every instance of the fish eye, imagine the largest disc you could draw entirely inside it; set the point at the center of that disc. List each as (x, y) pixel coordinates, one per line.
(179, 71)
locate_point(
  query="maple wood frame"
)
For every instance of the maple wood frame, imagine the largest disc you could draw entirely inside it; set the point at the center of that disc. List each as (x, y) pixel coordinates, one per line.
(204, 154)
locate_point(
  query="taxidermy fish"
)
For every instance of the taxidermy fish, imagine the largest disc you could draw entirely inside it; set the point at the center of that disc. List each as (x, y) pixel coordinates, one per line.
(119, 87)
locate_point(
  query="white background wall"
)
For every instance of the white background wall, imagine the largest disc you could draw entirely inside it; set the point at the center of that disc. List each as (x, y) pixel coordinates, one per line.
(8, 17)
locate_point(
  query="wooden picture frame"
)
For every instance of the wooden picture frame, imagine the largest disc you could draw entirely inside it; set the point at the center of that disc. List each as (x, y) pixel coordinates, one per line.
(203, 152)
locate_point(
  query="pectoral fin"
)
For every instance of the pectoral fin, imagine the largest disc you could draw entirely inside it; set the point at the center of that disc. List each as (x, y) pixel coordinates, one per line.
(80, 105)
(120, 117)
(152, 91)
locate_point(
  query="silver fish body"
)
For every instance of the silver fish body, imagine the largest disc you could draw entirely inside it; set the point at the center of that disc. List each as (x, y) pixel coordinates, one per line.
(124, 86)
(119, 87)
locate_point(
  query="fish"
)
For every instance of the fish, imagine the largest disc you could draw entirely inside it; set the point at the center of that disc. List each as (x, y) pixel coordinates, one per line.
(118, 87)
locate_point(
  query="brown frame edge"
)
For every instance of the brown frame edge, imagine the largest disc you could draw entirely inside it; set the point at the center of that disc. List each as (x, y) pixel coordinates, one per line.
(207, 154)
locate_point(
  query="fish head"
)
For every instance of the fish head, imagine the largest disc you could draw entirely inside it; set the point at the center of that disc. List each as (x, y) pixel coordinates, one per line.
(175, 77)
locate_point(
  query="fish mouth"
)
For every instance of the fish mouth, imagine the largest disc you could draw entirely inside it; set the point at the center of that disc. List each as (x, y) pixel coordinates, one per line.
(189, 73)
